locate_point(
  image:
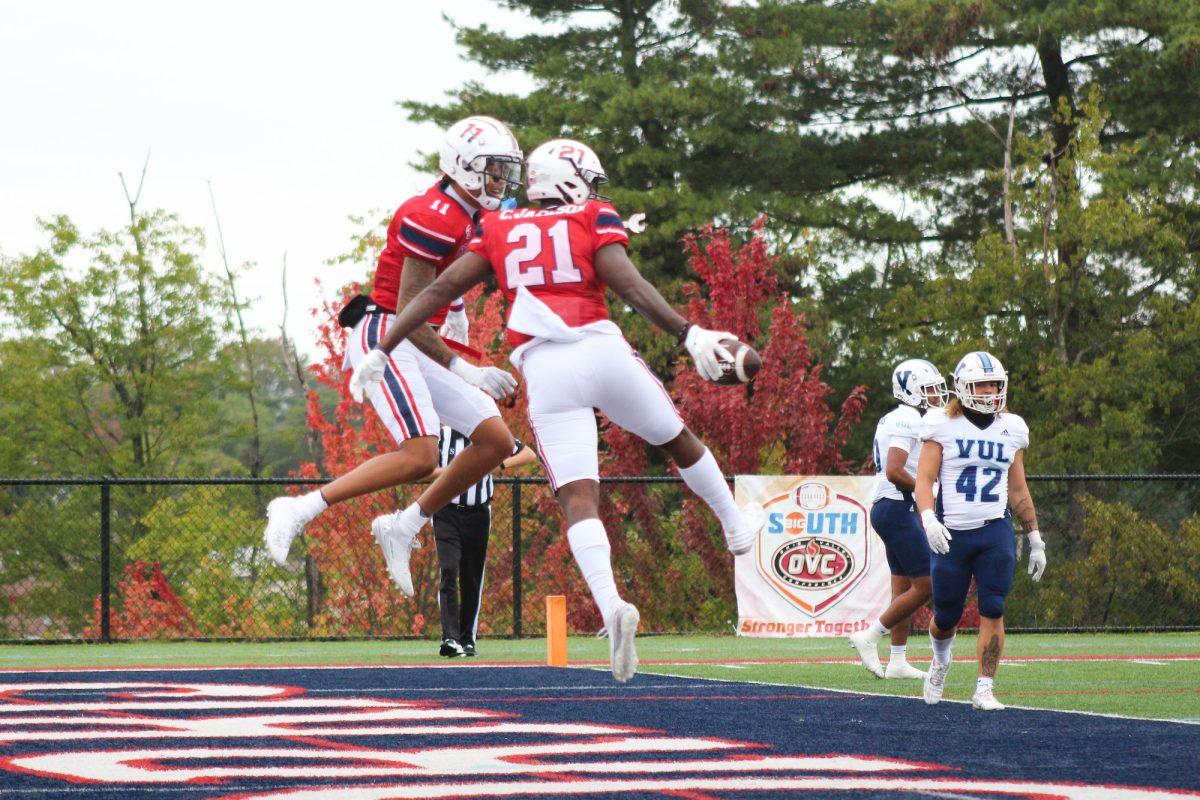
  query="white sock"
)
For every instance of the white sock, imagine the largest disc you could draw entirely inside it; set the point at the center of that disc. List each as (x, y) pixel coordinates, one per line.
(941, 649)
(708, 482)
(877, 630)
(311, 505)
(412, 518)
(983, 683)
(593, 554)
(899, 653)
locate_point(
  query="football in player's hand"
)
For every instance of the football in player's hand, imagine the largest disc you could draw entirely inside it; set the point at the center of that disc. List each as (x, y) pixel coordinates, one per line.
(745, 364)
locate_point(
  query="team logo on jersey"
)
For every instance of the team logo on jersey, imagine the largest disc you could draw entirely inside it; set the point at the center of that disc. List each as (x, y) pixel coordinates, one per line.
(814, 548)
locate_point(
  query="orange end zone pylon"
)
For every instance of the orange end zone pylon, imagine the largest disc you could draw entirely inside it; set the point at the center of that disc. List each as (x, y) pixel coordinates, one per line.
(556, 630)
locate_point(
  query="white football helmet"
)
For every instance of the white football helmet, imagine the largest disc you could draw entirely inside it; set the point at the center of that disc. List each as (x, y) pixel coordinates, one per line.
(476, 149)
(975, 368)
(911, 379)
(563, 169)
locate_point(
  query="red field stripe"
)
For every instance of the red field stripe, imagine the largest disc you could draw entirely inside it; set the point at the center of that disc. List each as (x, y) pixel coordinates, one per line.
(677, 662)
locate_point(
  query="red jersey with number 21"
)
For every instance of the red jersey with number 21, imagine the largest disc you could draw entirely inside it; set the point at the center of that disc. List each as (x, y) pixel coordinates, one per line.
(551, 252)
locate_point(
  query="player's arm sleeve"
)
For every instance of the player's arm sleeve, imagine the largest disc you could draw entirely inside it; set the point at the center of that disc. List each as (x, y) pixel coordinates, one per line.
(609, 227)
(904, 433)
(1022, 435)
(424, 236)
(928, 430)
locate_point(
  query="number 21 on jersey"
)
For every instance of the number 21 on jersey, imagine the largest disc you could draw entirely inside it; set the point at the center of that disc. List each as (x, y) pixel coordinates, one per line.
(519, 266)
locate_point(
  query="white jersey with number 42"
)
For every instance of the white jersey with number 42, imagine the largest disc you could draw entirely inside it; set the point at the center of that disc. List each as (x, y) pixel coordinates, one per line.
(975, 462)
(900, 428)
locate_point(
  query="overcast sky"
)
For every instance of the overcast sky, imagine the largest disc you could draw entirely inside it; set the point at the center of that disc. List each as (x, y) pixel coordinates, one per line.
(288, 109)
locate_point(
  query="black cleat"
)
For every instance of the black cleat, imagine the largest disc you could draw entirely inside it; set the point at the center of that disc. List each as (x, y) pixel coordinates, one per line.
(451, 649)
(468, 649)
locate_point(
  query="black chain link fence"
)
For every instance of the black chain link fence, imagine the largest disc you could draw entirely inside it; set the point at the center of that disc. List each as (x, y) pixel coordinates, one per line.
(107, 560)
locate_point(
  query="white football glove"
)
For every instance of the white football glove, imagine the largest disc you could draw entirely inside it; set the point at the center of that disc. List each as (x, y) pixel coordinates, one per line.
(937, 533)
(1037, 554)
(704, 346)
(455, 327)
(368, 374)
(497, 383)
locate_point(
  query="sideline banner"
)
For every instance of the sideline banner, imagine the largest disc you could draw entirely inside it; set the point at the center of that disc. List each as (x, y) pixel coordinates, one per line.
(817, 569)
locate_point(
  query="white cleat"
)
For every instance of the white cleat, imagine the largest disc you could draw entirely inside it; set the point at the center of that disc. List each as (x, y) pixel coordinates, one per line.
(742, 541)
(621, 648)
(902, 669)
(284, 524)
(867, 654)
(935, 682)
(397, 538)
(984, 700)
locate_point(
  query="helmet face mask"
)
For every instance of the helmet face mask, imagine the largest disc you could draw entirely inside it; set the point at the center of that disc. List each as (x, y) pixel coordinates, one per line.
(563, 170)
(481, 155)
(593, 181)
(918, 383)
(502, 175)
(975, 371)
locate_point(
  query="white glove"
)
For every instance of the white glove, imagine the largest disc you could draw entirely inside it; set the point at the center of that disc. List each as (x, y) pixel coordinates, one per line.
(1037, 554)
(704, 347)
(497, 383)
(455, 327)
(636, 223)
(368, 374)
(937, 533)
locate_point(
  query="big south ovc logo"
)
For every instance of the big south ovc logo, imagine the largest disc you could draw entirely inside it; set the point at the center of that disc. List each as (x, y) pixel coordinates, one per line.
(815, 547)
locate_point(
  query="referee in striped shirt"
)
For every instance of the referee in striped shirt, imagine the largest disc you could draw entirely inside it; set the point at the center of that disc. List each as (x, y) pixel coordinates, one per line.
(461, 531)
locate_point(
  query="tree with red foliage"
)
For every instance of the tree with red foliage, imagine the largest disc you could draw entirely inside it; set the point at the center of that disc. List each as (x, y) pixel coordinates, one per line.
(149, 608)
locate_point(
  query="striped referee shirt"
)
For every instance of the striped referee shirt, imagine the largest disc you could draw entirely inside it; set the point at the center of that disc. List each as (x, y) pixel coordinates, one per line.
(450, 443)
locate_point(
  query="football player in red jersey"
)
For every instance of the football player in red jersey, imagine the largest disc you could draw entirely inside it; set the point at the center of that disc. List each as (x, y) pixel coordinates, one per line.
(553, 263)
(423, 384)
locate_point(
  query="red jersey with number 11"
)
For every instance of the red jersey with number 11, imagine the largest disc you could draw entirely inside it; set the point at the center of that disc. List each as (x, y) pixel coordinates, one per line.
(551, 252)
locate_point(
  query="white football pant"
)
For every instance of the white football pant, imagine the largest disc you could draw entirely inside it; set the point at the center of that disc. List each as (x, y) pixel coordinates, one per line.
(565, 381)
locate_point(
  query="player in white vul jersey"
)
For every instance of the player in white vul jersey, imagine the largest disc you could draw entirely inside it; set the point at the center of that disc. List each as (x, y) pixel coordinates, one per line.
(918, 386)
(975, 451)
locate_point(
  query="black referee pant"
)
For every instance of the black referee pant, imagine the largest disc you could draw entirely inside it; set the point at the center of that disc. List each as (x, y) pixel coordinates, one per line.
(461, 534)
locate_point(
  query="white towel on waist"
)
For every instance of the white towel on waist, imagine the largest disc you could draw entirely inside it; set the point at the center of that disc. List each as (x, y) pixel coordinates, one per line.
(533, 317)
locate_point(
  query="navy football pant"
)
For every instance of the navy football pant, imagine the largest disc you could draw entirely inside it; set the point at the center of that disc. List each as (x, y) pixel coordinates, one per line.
(988, 554)
(904, 540)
